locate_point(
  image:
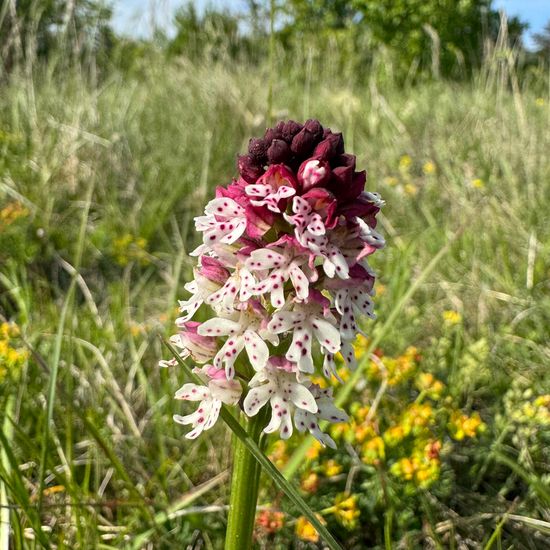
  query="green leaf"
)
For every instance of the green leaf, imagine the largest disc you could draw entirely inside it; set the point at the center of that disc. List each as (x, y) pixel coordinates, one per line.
(265, 463)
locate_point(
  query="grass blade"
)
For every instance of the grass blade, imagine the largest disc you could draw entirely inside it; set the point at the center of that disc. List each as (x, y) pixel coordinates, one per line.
(141, 539)
(58, 342)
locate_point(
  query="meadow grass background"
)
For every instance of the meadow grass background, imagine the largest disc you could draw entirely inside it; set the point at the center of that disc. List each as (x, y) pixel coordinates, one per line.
(109, 170)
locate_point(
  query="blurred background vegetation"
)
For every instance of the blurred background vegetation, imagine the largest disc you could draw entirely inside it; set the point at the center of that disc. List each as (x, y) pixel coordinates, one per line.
(110, 144)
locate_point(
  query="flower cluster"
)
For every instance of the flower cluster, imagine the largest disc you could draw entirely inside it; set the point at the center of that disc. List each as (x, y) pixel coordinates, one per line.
(283, 265)
(12, 358)
(11, 213)
(400, 445)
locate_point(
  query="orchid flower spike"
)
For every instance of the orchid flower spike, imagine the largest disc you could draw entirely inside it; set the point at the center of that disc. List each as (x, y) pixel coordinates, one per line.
(283, 269)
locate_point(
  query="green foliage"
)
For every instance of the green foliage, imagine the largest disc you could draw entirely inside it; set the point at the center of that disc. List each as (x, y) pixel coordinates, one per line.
(444, 35)
(30, 28)
(542, 41)
(213, 34)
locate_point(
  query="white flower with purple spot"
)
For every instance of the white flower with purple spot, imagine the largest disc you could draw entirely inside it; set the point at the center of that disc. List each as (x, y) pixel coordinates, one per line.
(272, 189)
(326, 410)
(348, 302)
(279, 386)
(242, 284)
(244, 331)
(211, 397)
(275, 266)
(309, 226)
(306, 322)
(224, 222)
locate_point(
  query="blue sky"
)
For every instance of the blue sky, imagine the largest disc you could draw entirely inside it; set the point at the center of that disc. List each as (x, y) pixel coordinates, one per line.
(139, 17)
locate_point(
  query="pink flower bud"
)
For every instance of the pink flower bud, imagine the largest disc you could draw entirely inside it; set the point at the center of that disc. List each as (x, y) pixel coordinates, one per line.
(201, 348)
(213, 270)
(314, 173)
(282, 363)
(324, 203)
(279, 175)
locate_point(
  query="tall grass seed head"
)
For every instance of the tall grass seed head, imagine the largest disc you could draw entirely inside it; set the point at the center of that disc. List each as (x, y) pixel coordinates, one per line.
(283, 267)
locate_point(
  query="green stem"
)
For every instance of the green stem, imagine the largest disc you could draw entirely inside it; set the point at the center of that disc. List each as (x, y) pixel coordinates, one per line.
(4, 502)
(245, 483)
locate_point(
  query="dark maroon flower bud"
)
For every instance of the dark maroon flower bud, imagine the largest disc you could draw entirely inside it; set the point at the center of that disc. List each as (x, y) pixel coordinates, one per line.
(358, 184)
(303, 143)
(345, 160)
(249, 170)
(278, 152)
(314, 126)
(274, 133)
(290, 129)
(257, 149)
(332, 145)
(342, 177)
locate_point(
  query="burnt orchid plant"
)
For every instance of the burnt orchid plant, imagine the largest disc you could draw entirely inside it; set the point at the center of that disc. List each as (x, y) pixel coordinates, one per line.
(283, 266)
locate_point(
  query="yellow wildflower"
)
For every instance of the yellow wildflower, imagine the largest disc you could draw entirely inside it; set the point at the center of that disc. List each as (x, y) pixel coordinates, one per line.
(379, 288)
(478, 183)
(539, 102)
(538, 410)
(405, 163)
(394, 435)
(426, 382)
(331, 468)
(278, 454)
(360, 345)
(363, 431)
(373, 451)
(391, 181)
(427, 471)
(542, 401)
(306, 531)
(451, 317)
(310, 482)
(321, 381)
(418, 416)
(403, 468)
(342, 429)
(314, 450)
(12, 212)
(343, 373)
(411, 189)
(345, 510)
(429, 168)
(52, 490)
(360, 412)
(129, 248)
(462, 425)
(12, 359)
